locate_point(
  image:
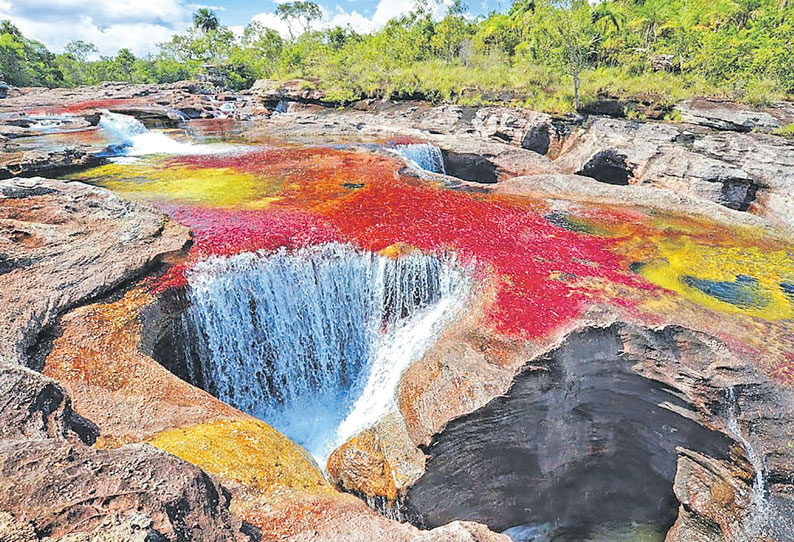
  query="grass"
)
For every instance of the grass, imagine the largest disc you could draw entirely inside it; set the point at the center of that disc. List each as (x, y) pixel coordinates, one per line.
(786, 131)
(485, 80)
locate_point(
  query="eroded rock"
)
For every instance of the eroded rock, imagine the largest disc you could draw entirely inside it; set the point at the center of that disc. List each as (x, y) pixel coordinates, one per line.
(725, 115)
(65, 243)
(63, 489)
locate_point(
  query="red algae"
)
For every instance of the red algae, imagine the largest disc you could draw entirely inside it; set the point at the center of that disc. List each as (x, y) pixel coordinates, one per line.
(542, 270)
(784, 372)
(79, 107)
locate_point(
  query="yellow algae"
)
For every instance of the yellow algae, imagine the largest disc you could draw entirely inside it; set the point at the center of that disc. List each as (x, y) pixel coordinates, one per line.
(247, 452)
(216, 187)
(746, 280)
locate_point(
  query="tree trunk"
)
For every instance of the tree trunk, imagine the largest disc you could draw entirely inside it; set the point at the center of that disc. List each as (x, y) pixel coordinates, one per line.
(576, 84)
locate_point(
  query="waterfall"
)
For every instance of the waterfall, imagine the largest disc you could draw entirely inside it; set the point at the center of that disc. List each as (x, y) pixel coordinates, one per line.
(137, 140)
(122, 127)
(758, 519)
(314, 341)
(424, 155)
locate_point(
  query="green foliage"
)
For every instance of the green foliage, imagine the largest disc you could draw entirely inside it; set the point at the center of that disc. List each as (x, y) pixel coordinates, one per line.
(547, 54)
(786, 131)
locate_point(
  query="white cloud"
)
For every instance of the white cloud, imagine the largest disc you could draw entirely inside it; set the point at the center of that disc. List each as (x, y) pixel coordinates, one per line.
(138, 25)
(385, 11)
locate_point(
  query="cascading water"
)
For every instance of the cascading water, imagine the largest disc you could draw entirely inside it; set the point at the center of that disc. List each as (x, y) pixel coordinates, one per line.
(137, 140)
(314, 341)
(428, 157)
(759, 517)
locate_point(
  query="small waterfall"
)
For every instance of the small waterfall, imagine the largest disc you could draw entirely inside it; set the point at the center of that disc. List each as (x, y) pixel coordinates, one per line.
(314, 341)
(137, 140)
(428, 157)
(759, 514)
(122, 127)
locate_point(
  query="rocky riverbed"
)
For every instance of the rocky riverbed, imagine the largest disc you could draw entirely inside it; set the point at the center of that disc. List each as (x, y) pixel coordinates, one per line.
(616, 357)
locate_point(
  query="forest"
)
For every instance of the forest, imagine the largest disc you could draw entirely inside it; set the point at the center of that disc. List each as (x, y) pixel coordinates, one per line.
(549, 55)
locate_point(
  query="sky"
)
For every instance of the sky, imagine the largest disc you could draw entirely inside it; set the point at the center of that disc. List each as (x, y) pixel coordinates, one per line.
(140, 25)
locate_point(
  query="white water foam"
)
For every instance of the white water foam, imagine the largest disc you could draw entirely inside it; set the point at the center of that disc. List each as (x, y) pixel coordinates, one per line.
(140, 141)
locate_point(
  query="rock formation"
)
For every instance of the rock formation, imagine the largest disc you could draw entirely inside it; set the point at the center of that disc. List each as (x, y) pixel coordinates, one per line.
(624, 355)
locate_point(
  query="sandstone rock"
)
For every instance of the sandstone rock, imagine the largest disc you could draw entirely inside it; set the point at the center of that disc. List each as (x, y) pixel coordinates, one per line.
(65, 243)
(64, 489)
(725, 115)
(36, 407)
(519, 127)
(42, 161)
(767, 160)
(747, 172)
(13, 531)
(715, 499)
(295, 90)
(379, 463)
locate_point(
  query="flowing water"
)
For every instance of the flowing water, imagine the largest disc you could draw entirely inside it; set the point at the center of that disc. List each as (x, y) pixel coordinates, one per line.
(314, 341)
(137, 140)
(425, 155)
(758, 519)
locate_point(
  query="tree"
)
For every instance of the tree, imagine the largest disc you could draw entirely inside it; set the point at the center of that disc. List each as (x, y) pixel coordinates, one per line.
(304, 13)
(80, 50)
(205, 20)
(566, 32)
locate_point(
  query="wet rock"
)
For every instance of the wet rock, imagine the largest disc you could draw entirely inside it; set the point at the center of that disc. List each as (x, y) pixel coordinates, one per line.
(379, 463)
(725, 115)
(584, 462)
(715, 497)
(63, 489)
(3, 90)
(43, 161)
(65, 243)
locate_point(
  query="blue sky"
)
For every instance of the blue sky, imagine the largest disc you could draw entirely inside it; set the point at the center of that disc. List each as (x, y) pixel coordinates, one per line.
(140, 24)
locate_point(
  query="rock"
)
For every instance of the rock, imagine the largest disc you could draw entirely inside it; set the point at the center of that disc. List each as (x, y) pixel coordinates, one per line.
(690, 173)
(36, 407)
(63, 489)
(13, 531)
(608, 167)
(42, 161)
(294, 90)
(555, 427)
(62, 244)
(519, 127)
(715, 497)
(661, 63)
(3, 89)
(379, 463)
(746, 172)
(725, 115)
(767, 160)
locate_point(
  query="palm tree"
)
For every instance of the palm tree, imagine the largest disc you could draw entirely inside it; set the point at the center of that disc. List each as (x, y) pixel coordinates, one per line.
(205, 20)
